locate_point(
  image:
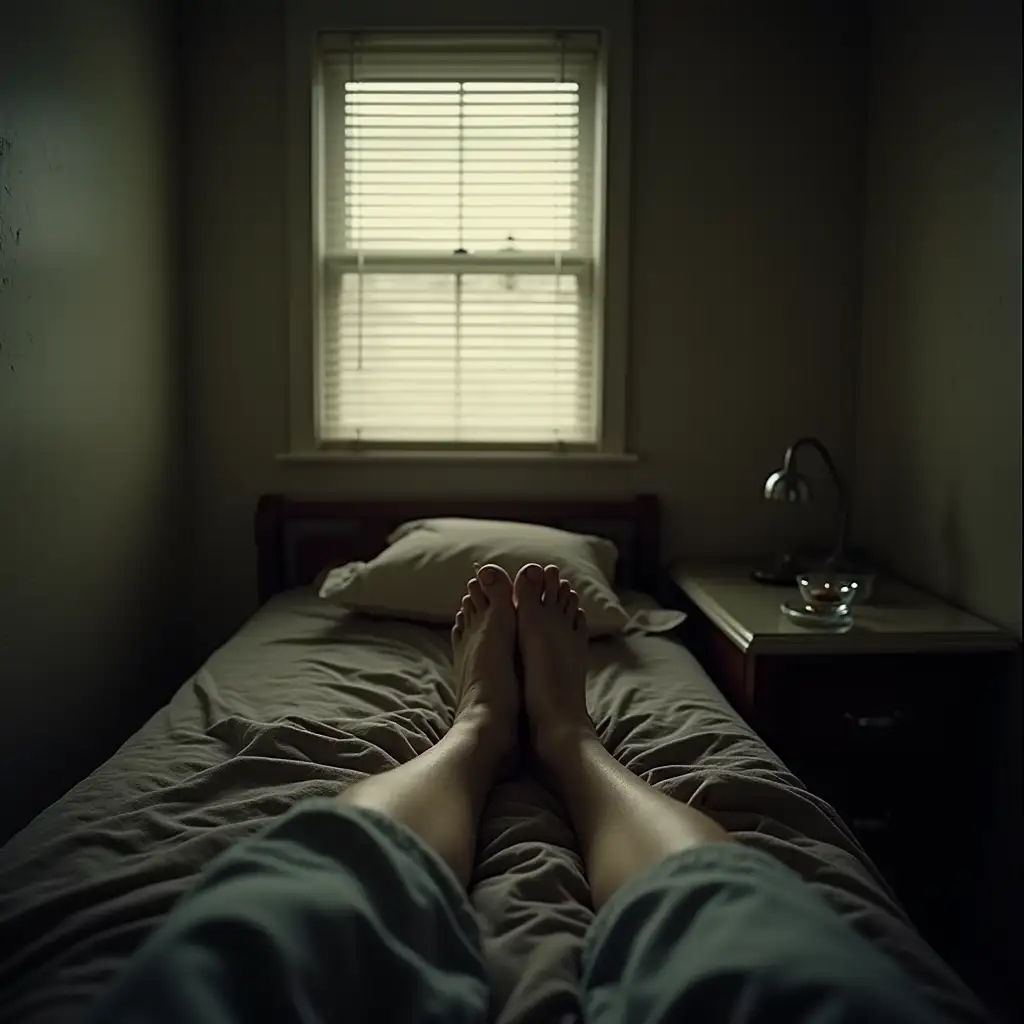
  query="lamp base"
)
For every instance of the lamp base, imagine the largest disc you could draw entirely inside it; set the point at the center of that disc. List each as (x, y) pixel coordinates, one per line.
(785, 569)
(781, 573)
(774, 577)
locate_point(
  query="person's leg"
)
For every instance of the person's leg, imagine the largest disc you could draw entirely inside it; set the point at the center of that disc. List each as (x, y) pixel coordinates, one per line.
(691, 925)
(726, 933)
(441, 793)
(623, 825)
(352, 908)
(334, 913)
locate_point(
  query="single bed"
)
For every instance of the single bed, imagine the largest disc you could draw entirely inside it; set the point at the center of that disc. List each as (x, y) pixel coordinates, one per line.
(307, 698)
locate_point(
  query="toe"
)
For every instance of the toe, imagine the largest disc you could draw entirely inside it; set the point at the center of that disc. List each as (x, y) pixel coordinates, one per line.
(580, 625)
(564, 590)
(529, 585)
(496, 584)
(572, 605)
(552, 578)
(459, 627)
(468, 611)
(476, 594)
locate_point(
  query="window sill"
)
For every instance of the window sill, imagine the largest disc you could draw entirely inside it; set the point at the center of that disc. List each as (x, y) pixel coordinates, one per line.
(410, 455)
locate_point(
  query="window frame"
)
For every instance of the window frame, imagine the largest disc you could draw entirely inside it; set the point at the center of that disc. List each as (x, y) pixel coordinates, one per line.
(306, 21)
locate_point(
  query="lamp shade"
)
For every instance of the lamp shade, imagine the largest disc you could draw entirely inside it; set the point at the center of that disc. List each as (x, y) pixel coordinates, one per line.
(787, 485)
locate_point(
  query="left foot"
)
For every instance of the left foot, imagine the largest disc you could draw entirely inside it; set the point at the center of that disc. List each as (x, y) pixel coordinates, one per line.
(484, 641)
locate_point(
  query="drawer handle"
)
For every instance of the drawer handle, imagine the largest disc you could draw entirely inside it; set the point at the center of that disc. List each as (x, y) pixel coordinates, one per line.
(870, 824)
(876, 723)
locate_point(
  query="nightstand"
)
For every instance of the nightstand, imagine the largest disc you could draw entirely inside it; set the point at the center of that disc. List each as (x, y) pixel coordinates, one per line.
(887, 721)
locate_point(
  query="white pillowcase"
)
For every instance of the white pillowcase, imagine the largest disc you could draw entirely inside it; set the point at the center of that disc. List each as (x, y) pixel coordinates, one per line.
(422, 573)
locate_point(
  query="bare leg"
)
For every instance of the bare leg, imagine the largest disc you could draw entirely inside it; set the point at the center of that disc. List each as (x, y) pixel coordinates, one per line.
(623, 825)
(441, 793)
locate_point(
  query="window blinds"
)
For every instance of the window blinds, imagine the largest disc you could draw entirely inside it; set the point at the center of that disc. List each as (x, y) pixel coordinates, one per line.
(456, 230)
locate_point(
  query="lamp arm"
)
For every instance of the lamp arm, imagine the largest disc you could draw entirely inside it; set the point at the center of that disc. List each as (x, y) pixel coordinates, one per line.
(813, 442)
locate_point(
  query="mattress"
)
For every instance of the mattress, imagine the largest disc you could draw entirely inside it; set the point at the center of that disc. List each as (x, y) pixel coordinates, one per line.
(307, 699)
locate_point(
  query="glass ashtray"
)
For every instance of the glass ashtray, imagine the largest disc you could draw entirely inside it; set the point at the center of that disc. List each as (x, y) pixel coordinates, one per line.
(805, 615)
(829, 594)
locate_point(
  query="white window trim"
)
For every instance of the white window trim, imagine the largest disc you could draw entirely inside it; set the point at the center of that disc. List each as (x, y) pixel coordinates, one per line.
(614, 19)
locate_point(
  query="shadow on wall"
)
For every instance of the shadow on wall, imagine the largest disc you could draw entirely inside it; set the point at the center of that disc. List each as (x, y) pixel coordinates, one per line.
(90, 420)
(954, 546)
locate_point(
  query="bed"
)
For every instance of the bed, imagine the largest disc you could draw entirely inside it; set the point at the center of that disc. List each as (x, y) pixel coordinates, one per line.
(307, 698)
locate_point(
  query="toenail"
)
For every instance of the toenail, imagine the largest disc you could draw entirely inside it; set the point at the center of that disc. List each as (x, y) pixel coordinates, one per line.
(534, 572)
(487, 575)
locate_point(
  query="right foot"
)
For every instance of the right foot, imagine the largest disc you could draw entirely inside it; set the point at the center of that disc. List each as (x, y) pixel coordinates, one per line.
(553, 647)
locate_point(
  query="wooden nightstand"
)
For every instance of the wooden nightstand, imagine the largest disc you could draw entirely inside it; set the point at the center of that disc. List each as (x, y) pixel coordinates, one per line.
(888, 721)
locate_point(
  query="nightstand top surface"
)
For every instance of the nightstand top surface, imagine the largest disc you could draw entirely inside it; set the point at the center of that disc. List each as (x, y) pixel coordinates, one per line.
(897, 618)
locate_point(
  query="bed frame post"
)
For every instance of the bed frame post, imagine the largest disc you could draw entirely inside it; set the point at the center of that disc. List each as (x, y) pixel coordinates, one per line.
(270, 545)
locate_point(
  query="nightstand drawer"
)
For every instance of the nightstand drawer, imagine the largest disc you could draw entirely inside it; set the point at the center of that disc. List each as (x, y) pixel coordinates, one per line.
(852, 722)
(891, 805)
(869, 705)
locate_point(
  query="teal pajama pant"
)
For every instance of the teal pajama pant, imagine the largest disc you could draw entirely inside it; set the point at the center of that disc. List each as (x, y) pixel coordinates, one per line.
(335, 914)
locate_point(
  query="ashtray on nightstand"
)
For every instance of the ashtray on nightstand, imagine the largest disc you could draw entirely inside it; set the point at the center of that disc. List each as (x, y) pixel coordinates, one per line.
(825, 600)
(804, 615)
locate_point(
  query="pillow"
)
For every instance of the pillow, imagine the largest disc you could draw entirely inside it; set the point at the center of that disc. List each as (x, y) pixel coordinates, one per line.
(422, 573)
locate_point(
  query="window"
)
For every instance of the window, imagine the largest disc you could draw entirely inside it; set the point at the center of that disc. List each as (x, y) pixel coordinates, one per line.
(456, 234)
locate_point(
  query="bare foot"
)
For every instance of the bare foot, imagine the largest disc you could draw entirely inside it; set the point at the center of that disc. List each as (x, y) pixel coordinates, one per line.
(484, 640)
(553, 645)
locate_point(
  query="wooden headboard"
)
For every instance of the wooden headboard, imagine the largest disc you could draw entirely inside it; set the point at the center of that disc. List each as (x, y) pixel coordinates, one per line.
(297, 538)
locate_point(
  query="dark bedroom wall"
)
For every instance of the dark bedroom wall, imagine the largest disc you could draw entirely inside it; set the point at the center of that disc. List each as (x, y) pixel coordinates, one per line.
(939, 424)
(745, 280)
(90, 547)
(938, 487)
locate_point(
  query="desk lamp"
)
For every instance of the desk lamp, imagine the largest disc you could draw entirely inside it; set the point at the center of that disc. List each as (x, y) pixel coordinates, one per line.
(788, 484)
